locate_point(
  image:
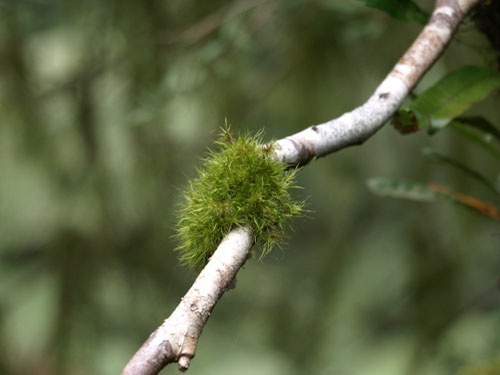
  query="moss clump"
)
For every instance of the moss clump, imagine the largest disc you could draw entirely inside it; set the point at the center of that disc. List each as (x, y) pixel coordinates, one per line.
(238, 184)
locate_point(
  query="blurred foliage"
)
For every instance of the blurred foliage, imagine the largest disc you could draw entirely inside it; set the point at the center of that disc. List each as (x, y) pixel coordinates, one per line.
(106, 109)
(431, 192)
(404, 10)
(488, 368)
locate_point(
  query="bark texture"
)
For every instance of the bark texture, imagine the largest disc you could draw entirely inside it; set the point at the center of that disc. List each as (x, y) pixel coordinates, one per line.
(176, 339)
(353, 128)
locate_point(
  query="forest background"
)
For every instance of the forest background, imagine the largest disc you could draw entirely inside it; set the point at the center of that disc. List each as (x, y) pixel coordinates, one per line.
(105, 111)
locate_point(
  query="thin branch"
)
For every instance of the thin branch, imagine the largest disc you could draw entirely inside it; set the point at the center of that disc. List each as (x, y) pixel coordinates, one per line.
(353, 128)
(212, 22)
(175, 340)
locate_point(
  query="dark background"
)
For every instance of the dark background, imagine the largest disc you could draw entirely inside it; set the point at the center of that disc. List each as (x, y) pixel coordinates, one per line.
(106, 108)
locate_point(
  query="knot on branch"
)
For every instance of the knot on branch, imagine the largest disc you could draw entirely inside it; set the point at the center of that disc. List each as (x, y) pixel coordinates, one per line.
(183, 362)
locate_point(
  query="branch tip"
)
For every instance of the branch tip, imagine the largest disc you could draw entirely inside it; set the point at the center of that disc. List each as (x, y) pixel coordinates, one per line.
(183, 363)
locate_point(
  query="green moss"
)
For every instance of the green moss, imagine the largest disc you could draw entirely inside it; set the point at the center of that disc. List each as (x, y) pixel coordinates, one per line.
(238, 184)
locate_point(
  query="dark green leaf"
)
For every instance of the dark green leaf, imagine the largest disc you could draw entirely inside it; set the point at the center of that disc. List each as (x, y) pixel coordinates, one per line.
(462, 167)
(403, 10)
(483, 138)
(480, 123)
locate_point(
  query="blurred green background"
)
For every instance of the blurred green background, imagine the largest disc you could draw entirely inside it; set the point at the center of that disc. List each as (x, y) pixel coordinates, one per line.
(106, 108)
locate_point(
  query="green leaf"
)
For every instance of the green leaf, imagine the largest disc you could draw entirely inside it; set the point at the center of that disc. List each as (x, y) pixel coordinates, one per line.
(403, 10)
(436, 156)
(403, 189)
(480, 135)
(480, 123)
(478, 206)
(396, 188)
(450, 97)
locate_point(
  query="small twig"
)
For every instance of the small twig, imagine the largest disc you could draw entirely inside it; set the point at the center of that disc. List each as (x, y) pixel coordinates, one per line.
(212, 22)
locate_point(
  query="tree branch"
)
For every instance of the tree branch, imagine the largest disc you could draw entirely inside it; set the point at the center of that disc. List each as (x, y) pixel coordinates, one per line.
(175, 340)
(212, 22)
(353, 128)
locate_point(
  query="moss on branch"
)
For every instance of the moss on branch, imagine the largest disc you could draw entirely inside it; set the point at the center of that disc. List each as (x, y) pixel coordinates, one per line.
(238, 184)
